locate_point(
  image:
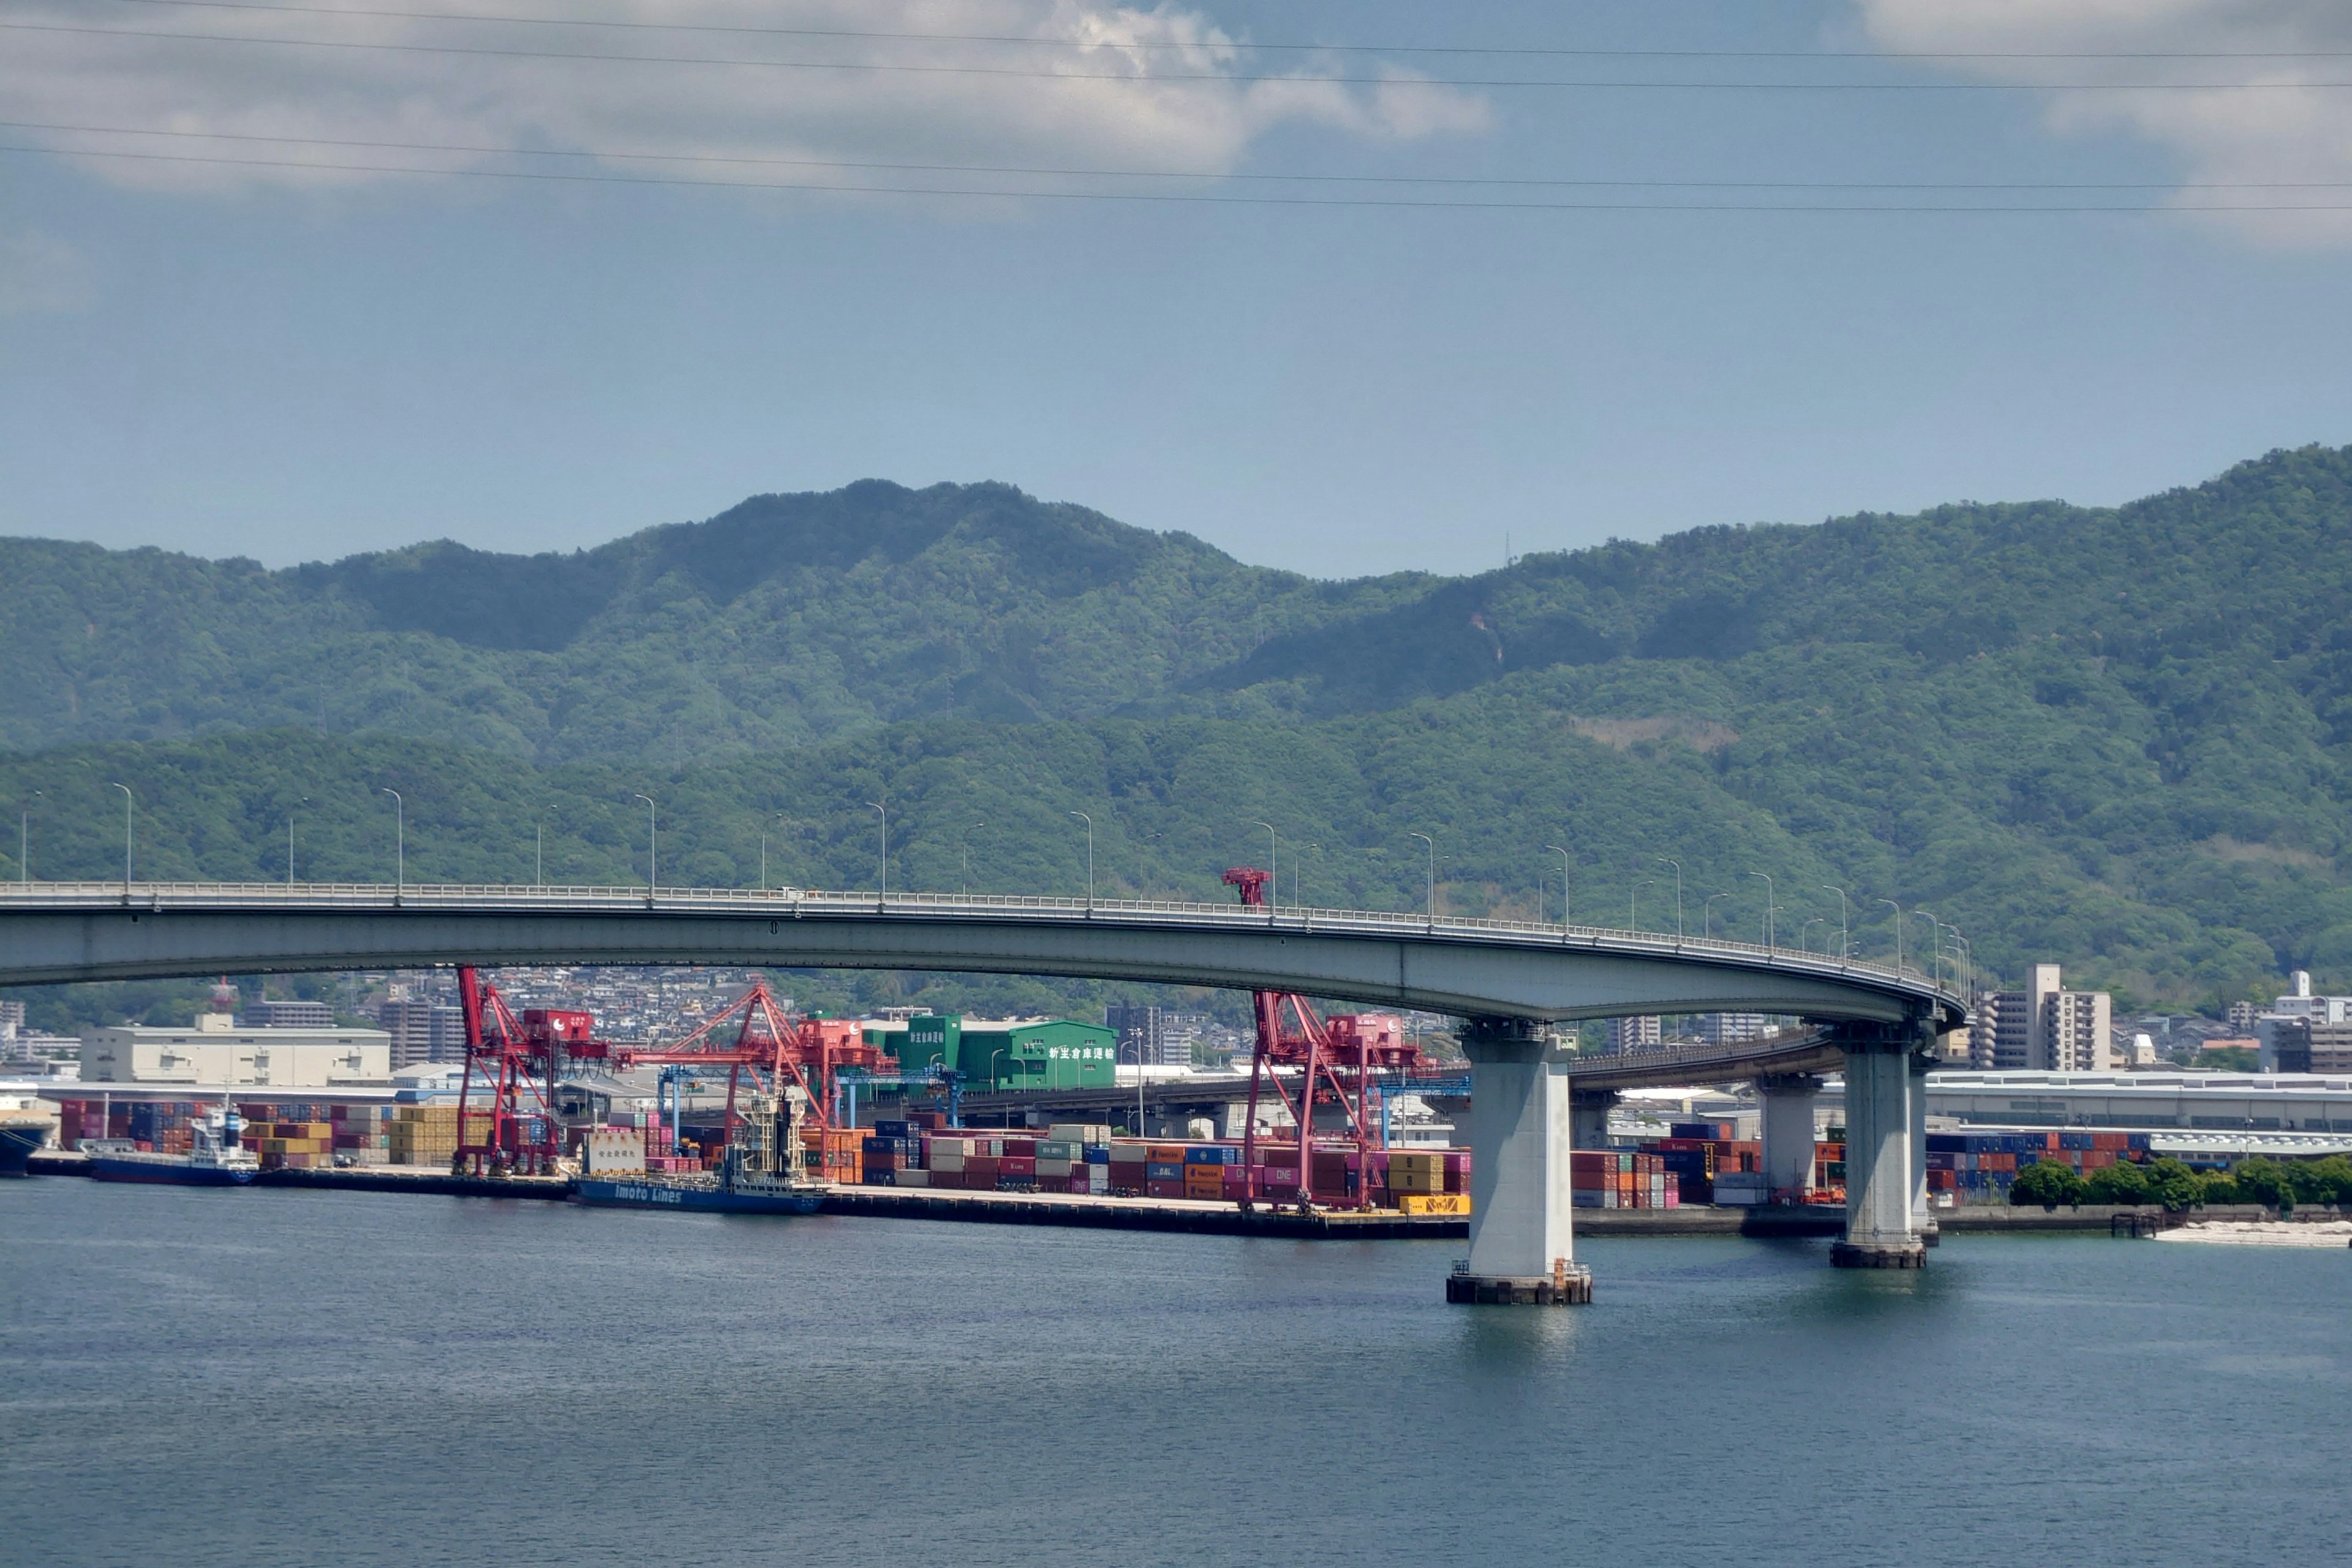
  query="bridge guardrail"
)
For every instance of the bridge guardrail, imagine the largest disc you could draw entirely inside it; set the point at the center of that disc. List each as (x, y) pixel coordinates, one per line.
(802, 902)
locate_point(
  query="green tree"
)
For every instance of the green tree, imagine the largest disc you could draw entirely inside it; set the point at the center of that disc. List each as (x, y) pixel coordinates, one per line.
(2175, 1185)
(2122, 1183)
(2264, 1181)
(2048, 1182)
(2328, 1181)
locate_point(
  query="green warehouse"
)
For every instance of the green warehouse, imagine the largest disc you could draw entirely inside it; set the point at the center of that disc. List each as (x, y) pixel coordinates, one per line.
(1034, 1053)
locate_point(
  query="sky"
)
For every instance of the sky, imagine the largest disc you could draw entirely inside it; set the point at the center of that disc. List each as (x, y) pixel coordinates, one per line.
(266, 293)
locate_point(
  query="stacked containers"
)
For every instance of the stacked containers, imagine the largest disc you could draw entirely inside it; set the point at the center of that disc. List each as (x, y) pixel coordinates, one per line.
(293, 1145)
(363, 1132)
(1979, 1167)
(1205, 1168)
(422, 1135)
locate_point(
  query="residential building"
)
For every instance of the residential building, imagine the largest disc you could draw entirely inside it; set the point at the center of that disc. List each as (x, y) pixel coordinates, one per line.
(1629, 1035)
(422, 1030)
(1152, 1036)
(291, 1014)
(2043, 1028)
(1729, 1028)
(2308, 1045)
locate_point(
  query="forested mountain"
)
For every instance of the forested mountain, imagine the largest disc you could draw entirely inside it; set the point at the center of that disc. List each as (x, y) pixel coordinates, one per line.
(2112, 738)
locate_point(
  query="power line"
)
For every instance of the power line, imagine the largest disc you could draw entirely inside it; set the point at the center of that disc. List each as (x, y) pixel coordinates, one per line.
(1527, 51)
(1141, 79)
(1165, 197)
(872, 166)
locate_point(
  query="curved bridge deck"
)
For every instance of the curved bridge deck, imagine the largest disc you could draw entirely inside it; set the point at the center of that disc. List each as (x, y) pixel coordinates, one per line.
(52, 933)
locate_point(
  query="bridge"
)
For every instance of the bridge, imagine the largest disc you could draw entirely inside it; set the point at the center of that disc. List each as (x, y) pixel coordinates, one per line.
(1506, 978)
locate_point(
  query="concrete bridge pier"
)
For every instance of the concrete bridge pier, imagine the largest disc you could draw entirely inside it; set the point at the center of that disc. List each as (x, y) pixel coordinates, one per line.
(1923, 1217)
(1522, 1245)
(1589, 1111)
(1879, 1089)
(1787, 1127)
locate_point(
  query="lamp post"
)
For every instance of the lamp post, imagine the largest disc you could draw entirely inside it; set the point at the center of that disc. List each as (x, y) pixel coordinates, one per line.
(539, 849)
(1842, 936)
(1273, 874)
(882, 877)
(289, 842)
(399, 845)
(653, 846)
(1769, 900)
(1804, 941)
(25, 843)
(1090, 858)
(1933, 927)
(994, 1080)
(126, 840)
(1299, 875)
(1678, 864)
(1891, 904)
(1633, 903)
(1707, 915)
(967, 855)
(1429, 914)
(1563, 883)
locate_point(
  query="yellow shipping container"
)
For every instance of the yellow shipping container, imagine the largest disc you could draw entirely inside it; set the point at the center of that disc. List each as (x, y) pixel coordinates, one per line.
(1436, 1203)
(1409, 1181)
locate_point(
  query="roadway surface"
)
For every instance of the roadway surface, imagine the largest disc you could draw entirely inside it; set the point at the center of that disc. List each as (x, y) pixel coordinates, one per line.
(52, 933)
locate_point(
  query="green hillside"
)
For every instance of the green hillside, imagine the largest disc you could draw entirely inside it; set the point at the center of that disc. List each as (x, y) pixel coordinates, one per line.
(2112, 738)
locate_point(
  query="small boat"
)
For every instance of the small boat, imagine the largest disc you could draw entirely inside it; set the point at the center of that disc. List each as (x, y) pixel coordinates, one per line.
(215, 1157)
(762, 1172)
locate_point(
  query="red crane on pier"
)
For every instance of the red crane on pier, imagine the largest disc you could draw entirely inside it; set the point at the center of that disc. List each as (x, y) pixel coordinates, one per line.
(1336, 1058)
(775, 1050)
(519, 1060)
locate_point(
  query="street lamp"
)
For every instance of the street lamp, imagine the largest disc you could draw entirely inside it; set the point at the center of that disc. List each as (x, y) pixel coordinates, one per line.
(1634, 902)
(1678, 864)
(1299, 875)
(399, 844)
(1934, 925)
(1563, 883)
(25, 843)
(1842, 943)
(1805, 941)
(1429, 910)
(1706, 914)
(653, 846)
(994, 1080)
(1769, 900)
(1891, 904)
(539, 849)
(1272, 870)
(126, 839)
(1090, 858)
(289, 842)
(883, 877)
(967, 855)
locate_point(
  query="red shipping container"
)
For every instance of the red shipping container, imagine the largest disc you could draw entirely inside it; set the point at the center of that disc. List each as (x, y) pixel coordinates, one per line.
(1017, 1164)
(1163, 1189)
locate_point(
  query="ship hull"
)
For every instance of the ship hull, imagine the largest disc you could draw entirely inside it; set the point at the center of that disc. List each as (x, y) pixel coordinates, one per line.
(18, 1145)
(624, 1192)
(165, 1172)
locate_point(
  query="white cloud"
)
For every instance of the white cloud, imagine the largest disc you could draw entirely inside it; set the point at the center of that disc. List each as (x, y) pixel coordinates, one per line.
(40, 274)
(254, 90)
(2284, 133)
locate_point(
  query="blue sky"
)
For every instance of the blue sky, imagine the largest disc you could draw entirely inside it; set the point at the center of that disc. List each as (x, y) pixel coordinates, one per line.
(240, 360)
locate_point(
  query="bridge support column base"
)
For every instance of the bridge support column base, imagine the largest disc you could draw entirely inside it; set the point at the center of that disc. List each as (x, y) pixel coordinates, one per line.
(1877, 1255)
(1570, 1287)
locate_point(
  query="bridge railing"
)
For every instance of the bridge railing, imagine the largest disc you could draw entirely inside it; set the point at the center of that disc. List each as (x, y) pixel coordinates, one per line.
(802, 902)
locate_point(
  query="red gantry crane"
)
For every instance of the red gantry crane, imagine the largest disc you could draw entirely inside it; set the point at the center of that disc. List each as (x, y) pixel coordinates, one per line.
(776, 1051)
(518, 1060)
(1336, 1059)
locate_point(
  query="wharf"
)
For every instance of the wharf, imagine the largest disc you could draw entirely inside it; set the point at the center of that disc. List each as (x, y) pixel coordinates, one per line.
(1198, 1217)
(415, 1179)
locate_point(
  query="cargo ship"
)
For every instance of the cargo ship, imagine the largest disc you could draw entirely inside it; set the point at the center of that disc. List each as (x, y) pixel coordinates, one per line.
(762, 1172)
(24, 1125)
(215, 1157)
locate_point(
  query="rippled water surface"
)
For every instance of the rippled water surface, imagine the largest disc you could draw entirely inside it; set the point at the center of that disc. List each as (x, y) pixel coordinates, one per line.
(280, 1377)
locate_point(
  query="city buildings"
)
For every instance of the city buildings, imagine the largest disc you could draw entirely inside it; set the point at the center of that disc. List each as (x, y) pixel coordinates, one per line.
(216, 1050)
(2043, 1028)
(1633, 1035)
(2301, 1027)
